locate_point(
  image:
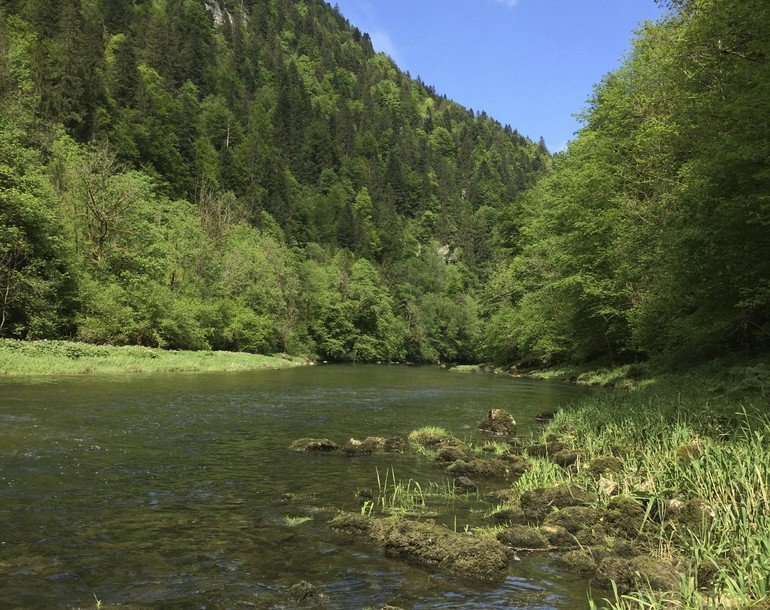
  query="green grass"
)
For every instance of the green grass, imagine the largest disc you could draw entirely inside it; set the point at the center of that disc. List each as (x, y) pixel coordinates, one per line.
(31, 358)
(295, 521)
(687, 438)
(397, 497)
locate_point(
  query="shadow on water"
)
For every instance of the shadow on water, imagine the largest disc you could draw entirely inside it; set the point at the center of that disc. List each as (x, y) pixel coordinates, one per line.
(169, 491)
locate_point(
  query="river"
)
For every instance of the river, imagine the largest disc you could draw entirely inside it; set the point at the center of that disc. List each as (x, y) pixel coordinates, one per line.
(170, 491)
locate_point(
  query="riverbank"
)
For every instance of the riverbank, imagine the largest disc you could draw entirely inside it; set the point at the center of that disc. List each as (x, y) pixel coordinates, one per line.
(32, 358)
(693, 453)
(690, 454)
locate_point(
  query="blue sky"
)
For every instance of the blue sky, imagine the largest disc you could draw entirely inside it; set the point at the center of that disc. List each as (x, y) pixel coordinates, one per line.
(529, 63)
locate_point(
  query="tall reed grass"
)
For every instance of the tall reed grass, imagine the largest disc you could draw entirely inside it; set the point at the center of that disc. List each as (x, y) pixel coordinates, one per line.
(680, 441)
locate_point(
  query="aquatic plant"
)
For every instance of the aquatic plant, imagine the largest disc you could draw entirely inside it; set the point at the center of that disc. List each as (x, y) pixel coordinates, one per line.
(401, 498)
(295, 521)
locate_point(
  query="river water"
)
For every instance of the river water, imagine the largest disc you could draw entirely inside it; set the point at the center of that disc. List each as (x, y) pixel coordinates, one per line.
(170, 491)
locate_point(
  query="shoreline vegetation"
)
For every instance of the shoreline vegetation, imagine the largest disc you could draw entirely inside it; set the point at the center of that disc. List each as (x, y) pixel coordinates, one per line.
(656, 491)
(47, 358)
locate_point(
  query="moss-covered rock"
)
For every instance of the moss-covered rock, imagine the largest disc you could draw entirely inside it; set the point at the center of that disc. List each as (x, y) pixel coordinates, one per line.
(640, 571)
(608, 464)
(523, 537)
(463, 554)
(464, 484)
(509, 514)
(395, 444)
(687, 452)
(565, 458)
(517, 464)
(538, 503)
(624, 517)
(546, 450)
(591, 536)
(481, 469)
(431, 439)
(558, 536)
(574, 518)
(578, 561)
(353, 523)
(695, 515)
(313, 444)
(302, 591)
(620, 547)
(498, 422)
(354, 447)
(507, 495)
(452, 451)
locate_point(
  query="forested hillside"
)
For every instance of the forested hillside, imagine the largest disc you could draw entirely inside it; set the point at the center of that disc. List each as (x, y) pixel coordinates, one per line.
(241, 175)
(251, 175)
(651, 235)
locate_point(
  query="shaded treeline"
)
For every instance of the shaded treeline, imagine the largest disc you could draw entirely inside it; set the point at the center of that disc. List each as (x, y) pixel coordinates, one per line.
(650, 236)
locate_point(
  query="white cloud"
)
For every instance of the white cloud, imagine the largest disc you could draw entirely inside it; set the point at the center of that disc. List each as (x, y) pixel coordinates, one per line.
(382, 42)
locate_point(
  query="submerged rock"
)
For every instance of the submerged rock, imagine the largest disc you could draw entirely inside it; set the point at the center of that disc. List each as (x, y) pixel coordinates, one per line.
(464, 484)
(545, 417)
(364, 495)
(313, 444)
(498, 422)
(301, 591)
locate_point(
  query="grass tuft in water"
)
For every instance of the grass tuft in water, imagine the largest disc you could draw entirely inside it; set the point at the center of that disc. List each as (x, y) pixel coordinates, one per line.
(295, 521)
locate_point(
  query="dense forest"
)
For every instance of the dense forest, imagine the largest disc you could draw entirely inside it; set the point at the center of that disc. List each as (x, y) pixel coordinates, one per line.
(250, 175)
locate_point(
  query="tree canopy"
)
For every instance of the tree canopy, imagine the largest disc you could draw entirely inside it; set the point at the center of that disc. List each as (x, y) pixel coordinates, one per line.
(251, 175)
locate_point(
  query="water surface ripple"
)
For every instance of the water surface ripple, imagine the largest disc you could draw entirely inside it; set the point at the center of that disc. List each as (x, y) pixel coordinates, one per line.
(165, 491)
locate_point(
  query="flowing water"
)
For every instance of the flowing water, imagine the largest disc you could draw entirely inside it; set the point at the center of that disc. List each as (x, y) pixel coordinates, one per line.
(168, 491)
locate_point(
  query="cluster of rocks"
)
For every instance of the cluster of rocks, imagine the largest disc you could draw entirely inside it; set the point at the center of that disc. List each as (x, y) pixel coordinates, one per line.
(605, 539)
(601, 544)
(354, 447)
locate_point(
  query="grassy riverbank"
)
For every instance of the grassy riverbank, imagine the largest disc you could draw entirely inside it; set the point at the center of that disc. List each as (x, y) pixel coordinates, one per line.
(682, 462)
(29, 358)
(694, 452)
